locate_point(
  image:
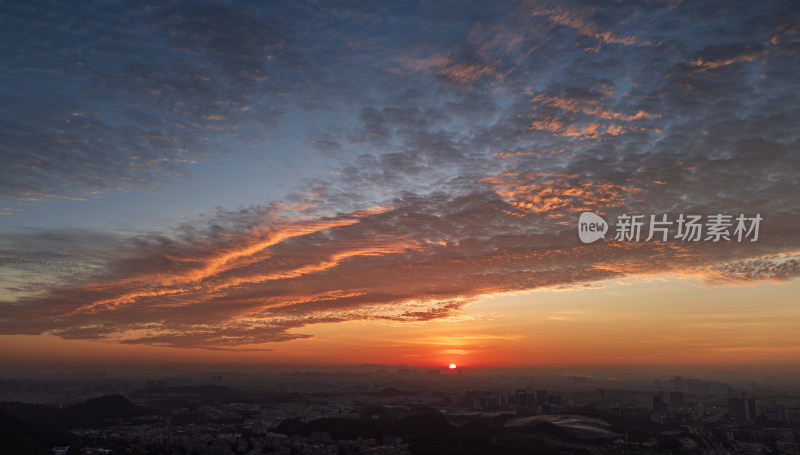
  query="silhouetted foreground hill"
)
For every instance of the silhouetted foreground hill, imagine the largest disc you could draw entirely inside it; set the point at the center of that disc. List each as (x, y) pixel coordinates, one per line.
(429, 432)
(19, 437)
(108, 407)
(92, 413)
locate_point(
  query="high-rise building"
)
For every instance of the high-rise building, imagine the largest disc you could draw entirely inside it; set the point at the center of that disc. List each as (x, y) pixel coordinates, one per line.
(742, 409)
(522, 398)
(659, 405)
(676, 399)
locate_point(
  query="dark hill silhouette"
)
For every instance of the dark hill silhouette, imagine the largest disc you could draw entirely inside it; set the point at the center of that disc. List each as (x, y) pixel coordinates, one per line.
(92, 413)
(427, 431)
(103, 408)
(389, 392)
(36, 414)
(17, 436)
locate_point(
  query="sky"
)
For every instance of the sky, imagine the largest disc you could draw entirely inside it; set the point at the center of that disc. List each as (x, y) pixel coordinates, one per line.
(319, 183)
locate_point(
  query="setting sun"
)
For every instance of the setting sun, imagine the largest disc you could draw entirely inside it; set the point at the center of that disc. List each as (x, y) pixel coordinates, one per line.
(452, 366)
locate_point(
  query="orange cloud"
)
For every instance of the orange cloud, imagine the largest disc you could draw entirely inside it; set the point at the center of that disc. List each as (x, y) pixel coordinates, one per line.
(244, 253)
(466, 72)
(706, 65)
(588, 107)
(564, 194)
(578, 21)
(420, 260)
(567, 125)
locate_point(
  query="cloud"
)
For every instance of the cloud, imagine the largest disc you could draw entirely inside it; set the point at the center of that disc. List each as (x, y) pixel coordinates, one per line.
(780, 269)
(579, 19)
(98, 98)
(458, 150)
(112, 97)
(421, 259)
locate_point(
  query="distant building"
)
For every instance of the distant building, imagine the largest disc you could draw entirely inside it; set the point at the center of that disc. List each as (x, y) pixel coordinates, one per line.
(522, 398)
(659, 405)
(493, 401)
(676, 399)
(742, 409)
(472, 400)
(776, 414)
(152, 383)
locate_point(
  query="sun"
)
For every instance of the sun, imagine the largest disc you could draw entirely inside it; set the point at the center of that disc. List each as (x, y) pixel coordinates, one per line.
(453, 366)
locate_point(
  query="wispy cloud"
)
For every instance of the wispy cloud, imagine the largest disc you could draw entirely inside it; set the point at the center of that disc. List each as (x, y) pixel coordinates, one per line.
(419, 260)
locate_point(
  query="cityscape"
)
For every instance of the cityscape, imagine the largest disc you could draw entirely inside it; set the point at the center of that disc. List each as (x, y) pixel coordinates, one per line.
(373, 409)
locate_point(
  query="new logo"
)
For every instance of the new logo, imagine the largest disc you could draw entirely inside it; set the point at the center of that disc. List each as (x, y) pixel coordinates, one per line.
(591, 227)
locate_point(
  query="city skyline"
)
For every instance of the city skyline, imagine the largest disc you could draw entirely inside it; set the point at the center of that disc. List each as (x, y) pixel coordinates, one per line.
(343, 184)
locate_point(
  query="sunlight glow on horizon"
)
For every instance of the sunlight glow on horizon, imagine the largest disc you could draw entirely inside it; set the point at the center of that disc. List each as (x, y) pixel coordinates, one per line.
(546, 327)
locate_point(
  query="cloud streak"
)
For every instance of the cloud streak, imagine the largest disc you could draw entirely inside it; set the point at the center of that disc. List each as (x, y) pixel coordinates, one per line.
(422, 259)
